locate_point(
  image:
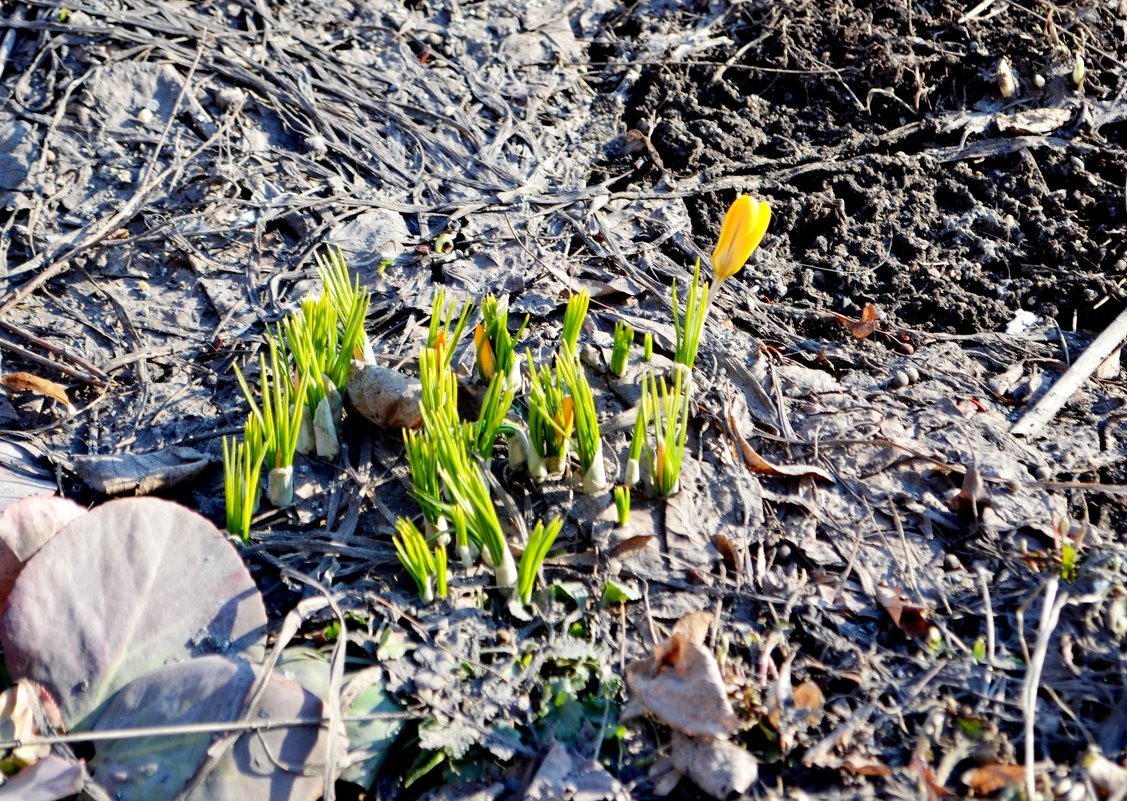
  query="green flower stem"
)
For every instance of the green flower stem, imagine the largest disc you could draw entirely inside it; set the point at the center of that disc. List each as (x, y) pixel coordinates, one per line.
(574, 316)
(439, 336)
(588, 440)
(689, 328)
(348, 300)
(633, 461)
(539, 543)
(670, 419)
(622, 504)
(416, 557)
(494, 407)
(648, 346)
(623, 339)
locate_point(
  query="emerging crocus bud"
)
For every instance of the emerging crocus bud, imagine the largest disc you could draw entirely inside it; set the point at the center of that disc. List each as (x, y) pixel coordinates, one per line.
(486, 361)
(744, 226)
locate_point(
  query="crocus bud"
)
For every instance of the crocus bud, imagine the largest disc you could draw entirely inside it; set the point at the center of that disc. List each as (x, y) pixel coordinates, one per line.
(744, 226)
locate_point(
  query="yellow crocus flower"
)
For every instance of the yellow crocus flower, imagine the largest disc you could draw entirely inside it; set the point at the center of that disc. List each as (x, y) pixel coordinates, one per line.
(486, 361)
(744, 225)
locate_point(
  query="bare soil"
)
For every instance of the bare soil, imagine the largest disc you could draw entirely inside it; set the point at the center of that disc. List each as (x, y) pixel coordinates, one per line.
(168, 169)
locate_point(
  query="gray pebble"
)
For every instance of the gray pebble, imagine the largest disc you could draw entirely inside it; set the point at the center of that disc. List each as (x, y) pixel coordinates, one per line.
(899, 380)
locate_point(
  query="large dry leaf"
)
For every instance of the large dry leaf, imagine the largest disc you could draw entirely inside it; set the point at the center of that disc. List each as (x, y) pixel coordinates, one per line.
(25, 526)
(282, 764)
(757, 464)
(125, 588)
(140, 473)
(718, 767)
(385, 396)
(52, 779)
(682, 687)
(29, 382)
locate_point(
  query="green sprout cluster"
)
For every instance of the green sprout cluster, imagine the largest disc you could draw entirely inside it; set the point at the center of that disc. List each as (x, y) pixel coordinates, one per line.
(297, 405)
(623, 339)
(495, 346)
(574, 317)
(668, 413)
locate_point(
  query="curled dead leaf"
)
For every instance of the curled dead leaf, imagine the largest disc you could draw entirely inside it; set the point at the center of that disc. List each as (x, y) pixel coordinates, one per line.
(909, 617)
(865, 326)
(727, 552)
(757, 464)
(629, 546)
(694, 626)
(793, 710)
(990, 779)
(29, 382)
(682, 687)
(718, 767)
(385, 396)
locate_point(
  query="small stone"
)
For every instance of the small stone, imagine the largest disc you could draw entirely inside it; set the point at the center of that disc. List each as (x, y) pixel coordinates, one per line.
(1039, 81)
(952, 563)
(912, 373)
(1042, 472)
(899, 380)
(145, 116)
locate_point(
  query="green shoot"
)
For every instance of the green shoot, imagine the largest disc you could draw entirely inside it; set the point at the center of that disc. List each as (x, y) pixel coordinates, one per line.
(440, 336)
(279, 418)
(648, 347)
(588, 441)
(669, 413)
(348, 300)
(423, 462)
(550, 420)
(467, 551)
(634, 459)
(623, 339)
(466, 486)
(622, 504)
(496, 404)
(439, 389)
(496, 347)
(440, 570)
(539, 543)
(416, 557)
(573, 319)
(689, 328)
(242, 470)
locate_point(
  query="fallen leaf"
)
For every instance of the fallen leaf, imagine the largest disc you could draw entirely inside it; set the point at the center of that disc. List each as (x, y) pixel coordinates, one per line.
(793, 710)
(989, 779)
(910, 618)
(757, 464)
(869, 322)
(1032, 121)
(718, 767)
(565, 774)
(140, 473)
(630, 546)
(973, 495)
(694, 626)
(727, 552)
(28, 382)
(682, 687)
(385, 396)
(1108, 777)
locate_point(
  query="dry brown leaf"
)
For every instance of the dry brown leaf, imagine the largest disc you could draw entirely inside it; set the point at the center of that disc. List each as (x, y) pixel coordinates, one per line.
(1032, 121)
(989, 779)
(973, 495)
(629, 546)
(792, 710)
(909, 617)
(869, 322)
(28, 382)
(682, 687)
(727, 552)
(385, 396)
(694, 626)
(718, 767)
(757, 464)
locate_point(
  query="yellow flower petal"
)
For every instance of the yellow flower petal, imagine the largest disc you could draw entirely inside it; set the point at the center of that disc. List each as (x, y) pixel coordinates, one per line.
(486, 362)
(744, 226)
